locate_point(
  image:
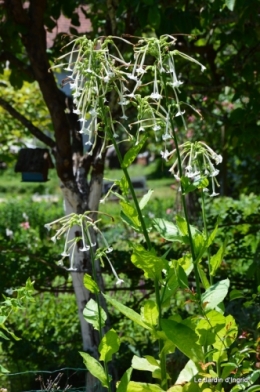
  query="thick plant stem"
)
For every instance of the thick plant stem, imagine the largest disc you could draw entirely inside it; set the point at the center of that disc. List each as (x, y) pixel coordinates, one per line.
(206, 233)
(196, 272)
(149, 246)
(145, 233)
(101, 334)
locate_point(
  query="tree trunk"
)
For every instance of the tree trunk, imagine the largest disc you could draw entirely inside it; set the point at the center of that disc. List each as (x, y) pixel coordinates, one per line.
(71, 165)
(81, 262)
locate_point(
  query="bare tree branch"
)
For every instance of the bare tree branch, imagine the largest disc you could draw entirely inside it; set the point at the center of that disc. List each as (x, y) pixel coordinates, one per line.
(23, 120)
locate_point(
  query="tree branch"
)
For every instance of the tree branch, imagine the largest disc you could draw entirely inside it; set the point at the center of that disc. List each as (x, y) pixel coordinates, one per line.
(19, 13)
(36, 9)
(23, 120)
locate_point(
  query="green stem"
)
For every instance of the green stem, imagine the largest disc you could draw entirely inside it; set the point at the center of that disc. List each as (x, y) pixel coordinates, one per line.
(132, 191)
(206, 233)
(149, 246)
(101, 334)
(146, 236)
(196, 272)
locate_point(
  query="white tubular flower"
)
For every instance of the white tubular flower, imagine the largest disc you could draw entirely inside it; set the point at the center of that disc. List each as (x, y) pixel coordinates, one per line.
(179, 113)
(167, 135)
(118, 280)
(197, 163)
(175, 82)
(155, 94)
(186, 57)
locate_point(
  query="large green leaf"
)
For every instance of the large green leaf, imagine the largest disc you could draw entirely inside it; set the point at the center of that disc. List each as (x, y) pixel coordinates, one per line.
(182, 225)
(215, 294)
(109, 345)
(150, 313)
(148, 262)
(132, 153)
(213, 234)
(170, 287)
(123, 185)
(224, 338)
(216, 260)
(189, 185)
(188, 372)
(198, 239)
(95, 368)
(3, 336)
(129, 215)
(122, 387)
(90, 284)
(91, 314)
(145, 199)
(184, 338)
(144, 364)
(254, 388)
(128, 312)
(143, 387)
(168, 230)
(203, 277)
(208, 327)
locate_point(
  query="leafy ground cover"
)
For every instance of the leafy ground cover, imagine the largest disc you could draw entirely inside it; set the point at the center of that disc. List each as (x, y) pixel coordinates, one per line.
(239, 223)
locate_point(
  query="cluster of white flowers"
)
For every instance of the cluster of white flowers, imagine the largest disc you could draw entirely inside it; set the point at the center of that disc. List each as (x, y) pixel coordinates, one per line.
(198, 161)
(87, 225)
(98, 67)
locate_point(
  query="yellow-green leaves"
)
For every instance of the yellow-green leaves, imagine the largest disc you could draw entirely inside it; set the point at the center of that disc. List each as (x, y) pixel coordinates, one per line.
(122, 387)
(215, 294)
(148, 363)
(109, 345)
(216, 260)
(168, 230)
(148, 262)
(184, 338)
(145, 199)
(128, 312)
(93, 315)
(150, 313)
(90, 284)
(143, 387)
(95, 368)
(208, 327)
(129, 215)
(225, 337)
(133, 152)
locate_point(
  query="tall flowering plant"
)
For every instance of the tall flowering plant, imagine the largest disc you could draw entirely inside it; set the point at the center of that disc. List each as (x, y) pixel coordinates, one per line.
(149, 85)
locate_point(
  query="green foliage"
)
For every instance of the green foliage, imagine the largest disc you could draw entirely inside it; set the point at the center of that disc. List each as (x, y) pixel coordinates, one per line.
(21, 298)
(206, 336)
(108, 346)
(131, 154)
(225, 35)
(215, 294)
(13, 134)
(49, 334)
(95, 368)
(91, 314)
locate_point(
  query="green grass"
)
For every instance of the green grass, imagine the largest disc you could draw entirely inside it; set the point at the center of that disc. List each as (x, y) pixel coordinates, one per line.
(11, 185)
(157, 179)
